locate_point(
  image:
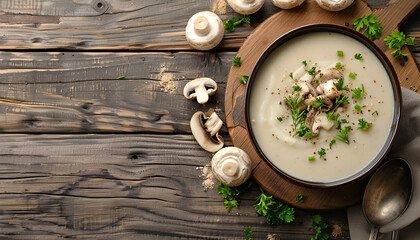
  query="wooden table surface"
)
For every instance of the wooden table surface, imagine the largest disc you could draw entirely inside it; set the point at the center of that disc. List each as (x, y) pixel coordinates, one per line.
(85, 155)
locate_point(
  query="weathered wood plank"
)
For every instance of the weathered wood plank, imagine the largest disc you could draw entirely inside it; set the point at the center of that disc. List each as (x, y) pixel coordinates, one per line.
(80, 92)
(119, 24)
(123, 187)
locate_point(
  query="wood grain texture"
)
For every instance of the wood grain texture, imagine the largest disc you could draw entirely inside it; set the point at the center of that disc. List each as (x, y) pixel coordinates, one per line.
(124, 187)
(120, 24)
(80, 92)
(274, 182)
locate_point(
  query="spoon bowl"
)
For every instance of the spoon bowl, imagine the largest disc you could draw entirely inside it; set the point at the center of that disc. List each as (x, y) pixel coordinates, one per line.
(388, 194)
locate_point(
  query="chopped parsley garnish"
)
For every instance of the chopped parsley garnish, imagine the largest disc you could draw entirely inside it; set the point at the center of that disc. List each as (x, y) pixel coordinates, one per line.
(312, 71)
(318, 103)
(232, 23)
(279, 119)
(248, 233)
(357, 107)
(340, 84)
(332, 116)
(121, 77)
(332, 143)
(358, 93)
(244, 78)
(397, 40)
(338, 64)
(236, 61)
(375, 112)
(373, 27)
(311, 158)
(317, 81)
(344, 135)
(274, 211)
(320, 227)
(299, 197)
(321, 152)
(363, 124)
(339, 101)
(358, 56)
(321, 74)
(296, 88)
(304, 63)
(303, 130)
(352, 75)
(291, 75)
(340, 53)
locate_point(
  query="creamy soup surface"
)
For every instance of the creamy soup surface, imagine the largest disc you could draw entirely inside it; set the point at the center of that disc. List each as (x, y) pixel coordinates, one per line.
(271, 121)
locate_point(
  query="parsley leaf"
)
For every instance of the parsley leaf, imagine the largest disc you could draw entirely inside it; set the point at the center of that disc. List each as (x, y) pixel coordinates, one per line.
(375, 112)
(357, 107)
(303, 130)
(363, 124)
(332, 143)
(279, 119)
(274, 211)
(373, 27)
(344, 135)
(320, 228)
(340, 84)
(397, 40)
(244, 78)
(248, 233)
(296, 88)
(291, 75)
(299, 198)
(231, 194)
(338, 64)
(232, 23)
(352, 75)
(358, 56)
(236, 61)
(332, 116)
(322, 152)
(304, 63)
(339, 101)
(318, 103)
(312, 71)
(358, 93)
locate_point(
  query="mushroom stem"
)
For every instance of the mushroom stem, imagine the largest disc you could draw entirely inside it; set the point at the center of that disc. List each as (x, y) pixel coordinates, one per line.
(230, 167)
(248, 1)
(201, 93)
(201, 25)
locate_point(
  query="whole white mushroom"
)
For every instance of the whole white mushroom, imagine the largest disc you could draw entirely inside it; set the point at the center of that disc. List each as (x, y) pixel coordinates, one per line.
(231, 166)
(204, 30)
(287, 4)
(246, 7)
(334, 5)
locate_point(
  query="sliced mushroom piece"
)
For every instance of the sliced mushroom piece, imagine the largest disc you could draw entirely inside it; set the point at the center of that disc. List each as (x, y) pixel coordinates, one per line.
(287, 4)
(316, 120)
(231, 166)
(329, 88)
(204, 30)
(310, 118)
(334, 5)
(328, 74)
(246, 7)
(200, 88)
(206, 131)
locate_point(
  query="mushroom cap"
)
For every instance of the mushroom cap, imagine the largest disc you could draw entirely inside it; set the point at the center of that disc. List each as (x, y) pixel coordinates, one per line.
(246, 7)
(231, 166)
(287, 4)
(334, 5)
(204, 30)
(205, 131)
(200, 88)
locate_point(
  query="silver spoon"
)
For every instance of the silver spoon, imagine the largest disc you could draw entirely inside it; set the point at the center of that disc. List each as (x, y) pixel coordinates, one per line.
(387, 194)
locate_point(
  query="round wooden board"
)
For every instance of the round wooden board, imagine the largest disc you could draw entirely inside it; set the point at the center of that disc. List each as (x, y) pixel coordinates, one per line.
(274, 27)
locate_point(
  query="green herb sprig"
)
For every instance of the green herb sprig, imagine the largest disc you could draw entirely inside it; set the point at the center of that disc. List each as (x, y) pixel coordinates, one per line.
(274, 211)
(320, 227)
(343, 135)
(397, 40)
(358, 93)
(232, 23)
(373, 28)
(248, 233)
(230, 194)
(236, 61)
(364, 125)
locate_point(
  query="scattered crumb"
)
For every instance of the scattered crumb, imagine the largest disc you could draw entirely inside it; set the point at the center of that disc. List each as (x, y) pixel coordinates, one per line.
(207, 176)
(219, 6)
(336, 231)
(166, 80)
(271, 236)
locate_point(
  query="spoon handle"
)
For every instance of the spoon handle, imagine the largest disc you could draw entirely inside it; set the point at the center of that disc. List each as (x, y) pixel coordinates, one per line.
(373, 233)
(394, 235)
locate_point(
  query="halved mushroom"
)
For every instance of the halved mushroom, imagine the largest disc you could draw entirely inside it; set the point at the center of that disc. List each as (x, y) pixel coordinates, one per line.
(316, 120)
(246, 7)
(329, 88)
(231, 166)
(334, 5)
(204, 30)
(206, 131)
(200, 88)
(287, 4)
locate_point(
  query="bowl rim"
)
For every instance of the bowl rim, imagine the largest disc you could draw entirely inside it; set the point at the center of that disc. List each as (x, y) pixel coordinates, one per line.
(310, 28)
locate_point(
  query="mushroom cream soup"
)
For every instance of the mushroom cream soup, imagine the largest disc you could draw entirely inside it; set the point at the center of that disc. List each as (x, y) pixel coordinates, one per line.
(297, 95)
